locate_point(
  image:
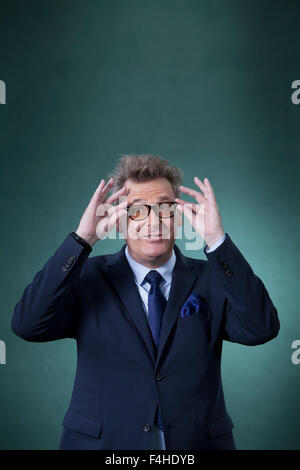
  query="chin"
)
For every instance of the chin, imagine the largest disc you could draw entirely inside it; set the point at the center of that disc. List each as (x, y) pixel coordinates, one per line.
(155, 249)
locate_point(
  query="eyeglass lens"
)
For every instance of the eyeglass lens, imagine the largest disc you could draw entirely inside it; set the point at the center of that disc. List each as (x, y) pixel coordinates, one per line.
(140, 211)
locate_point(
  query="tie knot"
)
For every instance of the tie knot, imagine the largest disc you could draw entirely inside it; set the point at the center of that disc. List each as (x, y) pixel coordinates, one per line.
(154, 278)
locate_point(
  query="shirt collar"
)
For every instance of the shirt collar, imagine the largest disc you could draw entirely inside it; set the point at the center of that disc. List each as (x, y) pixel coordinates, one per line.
(140, 271)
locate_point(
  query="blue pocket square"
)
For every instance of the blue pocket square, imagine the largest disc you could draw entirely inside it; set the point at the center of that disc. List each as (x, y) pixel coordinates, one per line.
(194, 304)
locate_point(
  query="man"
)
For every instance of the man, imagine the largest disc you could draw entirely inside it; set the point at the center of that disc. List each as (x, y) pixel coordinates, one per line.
(149, 322)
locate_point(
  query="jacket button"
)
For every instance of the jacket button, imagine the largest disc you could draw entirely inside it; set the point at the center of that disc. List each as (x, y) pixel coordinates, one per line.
(147, 427)
(228, 272)
(159, 377)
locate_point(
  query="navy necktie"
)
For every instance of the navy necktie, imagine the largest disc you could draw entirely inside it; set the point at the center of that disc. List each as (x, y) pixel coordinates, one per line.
(156, 307)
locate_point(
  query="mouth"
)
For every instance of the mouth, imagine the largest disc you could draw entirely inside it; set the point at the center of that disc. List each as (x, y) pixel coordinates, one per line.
(153, 237)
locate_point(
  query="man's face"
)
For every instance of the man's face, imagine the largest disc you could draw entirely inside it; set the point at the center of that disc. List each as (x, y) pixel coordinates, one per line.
(143, 248)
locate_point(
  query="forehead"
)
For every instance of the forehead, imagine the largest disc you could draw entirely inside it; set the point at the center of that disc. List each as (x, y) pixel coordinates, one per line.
(151, 191)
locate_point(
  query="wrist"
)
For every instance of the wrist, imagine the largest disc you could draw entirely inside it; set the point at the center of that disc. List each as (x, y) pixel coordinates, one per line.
(215, 239)
(84, 239)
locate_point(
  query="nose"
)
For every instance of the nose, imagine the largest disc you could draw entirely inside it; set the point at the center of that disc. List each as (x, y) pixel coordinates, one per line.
(153, 221)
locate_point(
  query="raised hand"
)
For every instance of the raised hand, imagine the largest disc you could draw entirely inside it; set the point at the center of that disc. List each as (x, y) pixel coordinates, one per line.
(100, 216)
(205, 213)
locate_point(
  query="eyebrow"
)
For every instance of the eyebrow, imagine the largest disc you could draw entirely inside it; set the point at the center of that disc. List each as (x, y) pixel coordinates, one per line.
(161, 198)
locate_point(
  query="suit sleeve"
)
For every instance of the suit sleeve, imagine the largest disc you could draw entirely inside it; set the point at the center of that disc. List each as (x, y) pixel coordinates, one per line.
(250, 316)
(48, 308)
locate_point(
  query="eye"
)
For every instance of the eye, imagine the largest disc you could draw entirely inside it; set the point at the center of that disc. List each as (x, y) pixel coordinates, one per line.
(137, 211)
(166, 209)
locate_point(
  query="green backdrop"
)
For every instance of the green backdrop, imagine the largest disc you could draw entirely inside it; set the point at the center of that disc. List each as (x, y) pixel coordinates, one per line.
(204, 84)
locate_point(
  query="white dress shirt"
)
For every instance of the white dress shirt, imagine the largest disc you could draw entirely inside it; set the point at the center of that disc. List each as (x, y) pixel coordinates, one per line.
(140, 271)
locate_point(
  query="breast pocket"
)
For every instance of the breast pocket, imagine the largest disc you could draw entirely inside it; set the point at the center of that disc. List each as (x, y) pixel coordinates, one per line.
(196, 325)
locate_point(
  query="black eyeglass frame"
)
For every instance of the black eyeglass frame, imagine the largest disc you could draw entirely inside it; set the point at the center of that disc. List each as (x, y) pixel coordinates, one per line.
(149, 207)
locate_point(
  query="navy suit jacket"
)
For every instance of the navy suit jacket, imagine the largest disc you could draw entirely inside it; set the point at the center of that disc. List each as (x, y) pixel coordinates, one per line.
(120, 380)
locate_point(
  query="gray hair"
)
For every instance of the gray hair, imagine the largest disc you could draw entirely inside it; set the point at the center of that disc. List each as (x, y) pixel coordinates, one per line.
(145, 167)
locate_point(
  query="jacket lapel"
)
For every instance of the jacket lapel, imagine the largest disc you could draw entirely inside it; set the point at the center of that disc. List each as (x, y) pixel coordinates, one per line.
(122, 281)
(184, 277)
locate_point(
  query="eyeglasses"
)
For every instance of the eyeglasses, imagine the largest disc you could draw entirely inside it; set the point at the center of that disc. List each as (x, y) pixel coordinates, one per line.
(164, 210)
